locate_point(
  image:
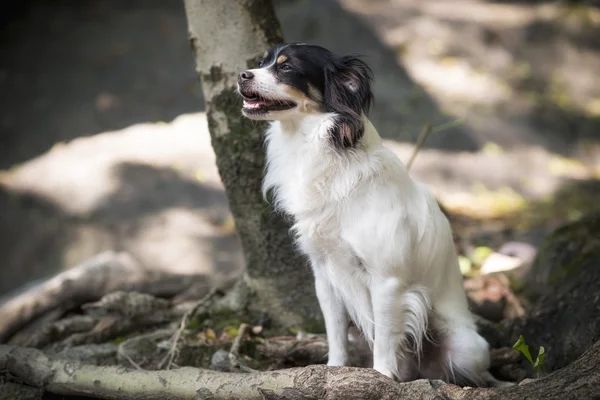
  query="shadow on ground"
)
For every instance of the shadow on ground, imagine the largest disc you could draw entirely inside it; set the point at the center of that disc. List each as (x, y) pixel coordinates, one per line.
(187, 234)
(71, 69)
(520, 74)
(71, 72)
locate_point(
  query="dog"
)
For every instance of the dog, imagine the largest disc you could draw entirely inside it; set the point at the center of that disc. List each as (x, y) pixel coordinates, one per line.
(380, 248)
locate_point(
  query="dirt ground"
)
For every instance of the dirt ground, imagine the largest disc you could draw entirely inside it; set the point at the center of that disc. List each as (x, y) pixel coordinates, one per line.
(103, 143)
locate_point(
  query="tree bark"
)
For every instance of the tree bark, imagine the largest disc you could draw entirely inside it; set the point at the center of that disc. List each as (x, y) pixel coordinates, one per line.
(579, 380)
(566, 273)
(228, 37)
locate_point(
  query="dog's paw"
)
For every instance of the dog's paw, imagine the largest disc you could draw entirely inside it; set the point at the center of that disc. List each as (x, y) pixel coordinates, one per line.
(384, 371)
(336, 363)
(490, 381)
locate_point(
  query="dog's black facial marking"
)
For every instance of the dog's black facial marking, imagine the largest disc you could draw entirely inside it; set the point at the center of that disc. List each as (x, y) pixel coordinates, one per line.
(340, 85)
(331, 84)
(300, 67)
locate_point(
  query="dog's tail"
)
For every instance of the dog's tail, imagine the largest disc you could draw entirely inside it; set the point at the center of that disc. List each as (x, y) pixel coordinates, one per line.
(416, 309)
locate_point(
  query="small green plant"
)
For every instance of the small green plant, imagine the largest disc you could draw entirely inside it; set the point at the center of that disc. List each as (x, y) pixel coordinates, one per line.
(522, 347)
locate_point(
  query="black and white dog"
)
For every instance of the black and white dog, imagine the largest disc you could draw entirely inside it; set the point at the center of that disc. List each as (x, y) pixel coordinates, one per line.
(379, 245)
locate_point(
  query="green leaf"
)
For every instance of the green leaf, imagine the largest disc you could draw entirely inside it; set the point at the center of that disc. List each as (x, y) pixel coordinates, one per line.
(521, 346)
(465, 265)
(539, 361)
(480, 254)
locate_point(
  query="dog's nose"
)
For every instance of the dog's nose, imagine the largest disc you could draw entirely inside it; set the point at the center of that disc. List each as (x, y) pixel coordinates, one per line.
(245, 76)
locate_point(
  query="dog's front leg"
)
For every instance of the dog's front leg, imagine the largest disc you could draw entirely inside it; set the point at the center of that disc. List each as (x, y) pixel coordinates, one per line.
(336, 319)
(388, 319)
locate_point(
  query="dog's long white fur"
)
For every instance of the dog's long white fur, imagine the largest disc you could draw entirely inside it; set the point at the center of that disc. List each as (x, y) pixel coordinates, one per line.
(380, 248)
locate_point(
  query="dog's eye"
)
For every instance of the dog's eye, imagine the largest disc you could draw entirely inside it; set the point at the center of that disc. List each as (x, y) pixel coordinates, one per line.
(285, 67)
(261, 63)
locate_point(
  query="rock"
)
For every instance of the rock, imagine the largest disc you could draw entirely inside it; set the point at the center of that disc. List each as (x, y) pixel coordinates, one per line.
(220, 361)
(521, 250)
(514, 259)
(498, 262)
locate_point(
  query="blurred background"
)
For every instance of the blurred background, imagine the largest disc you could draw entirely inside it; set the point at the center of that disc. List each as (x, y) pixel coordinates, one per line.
(104, 143)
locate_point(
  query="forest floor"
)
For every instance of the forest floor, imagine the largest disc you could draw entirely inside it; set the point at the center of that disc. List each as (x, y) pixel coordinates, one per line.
(104, 145)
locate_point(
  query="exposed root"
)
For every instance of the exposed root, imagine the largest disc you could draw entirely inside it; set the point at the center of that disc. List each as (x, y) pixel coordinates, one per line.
(65, 377)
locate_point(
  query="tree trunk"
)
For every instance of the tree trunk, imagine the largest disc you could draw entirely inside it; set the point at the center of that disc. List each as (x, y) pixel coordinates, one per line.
(227, 38)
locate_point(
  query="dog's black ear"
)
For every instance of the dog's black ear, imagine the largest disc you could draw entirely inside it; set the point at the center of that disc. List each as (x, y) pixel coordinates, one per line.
(348, 94)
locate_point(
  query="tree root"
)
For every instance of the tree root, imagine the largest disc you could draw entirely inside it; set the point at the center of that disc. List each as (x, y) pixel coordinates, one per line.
(34, 368)
(105, 273)
(115, 315)
(55, 331)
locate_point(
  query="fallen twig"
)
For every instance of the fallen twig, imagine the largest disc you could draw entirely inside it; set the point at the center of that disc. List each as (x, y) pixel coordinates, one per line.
(234, 352)
(121, 352)
(425, 132)
(202, 303)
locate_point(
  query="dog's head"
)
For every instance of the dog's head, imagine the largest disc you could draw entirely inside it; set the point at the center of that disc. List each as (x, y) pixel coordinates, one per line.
(294, 80)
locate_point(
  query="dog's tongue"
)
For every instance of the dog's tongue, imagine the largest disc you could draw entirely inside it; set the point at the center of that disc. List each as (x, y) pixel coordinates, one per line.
(256, 103)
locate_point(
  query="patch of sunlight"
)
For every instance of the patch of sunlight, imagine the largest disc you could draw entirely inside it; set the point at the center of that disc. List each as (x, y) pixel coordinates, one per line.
(80, 175)
(436, 47)
(199, 175)
(592, 108)
(180, 238)
(579, 14)
(455, 77)
(566, 167)
(558, 207)
(484, 203)
(505, 15)
(58, 145)
(492, 148)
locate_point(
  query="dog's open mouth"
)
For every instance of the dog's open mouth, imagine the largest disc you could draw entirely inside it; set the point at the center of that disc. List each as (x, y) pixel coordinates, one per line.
(254, 103)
